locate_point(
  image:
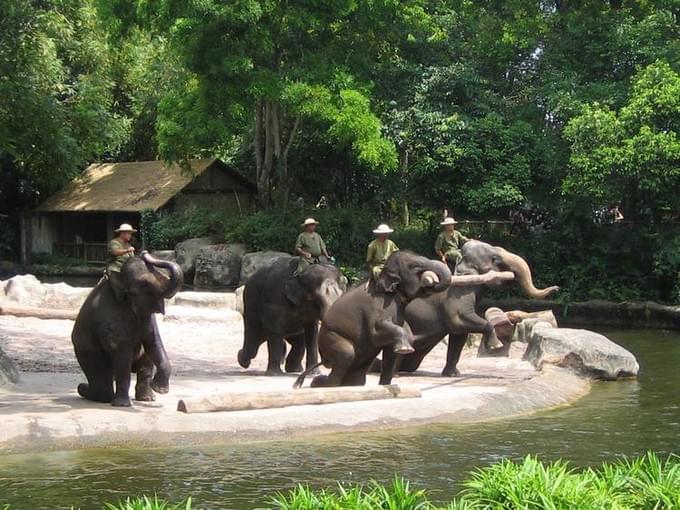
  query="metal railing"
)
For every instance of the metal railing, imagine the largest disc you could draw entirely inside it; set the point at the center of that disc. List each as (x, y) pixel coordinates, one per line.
(90, 253)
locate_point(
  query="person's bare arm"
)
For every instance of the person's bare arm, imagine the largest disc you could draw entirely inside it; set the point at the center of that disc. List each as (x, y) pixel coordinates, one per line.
(118, 253)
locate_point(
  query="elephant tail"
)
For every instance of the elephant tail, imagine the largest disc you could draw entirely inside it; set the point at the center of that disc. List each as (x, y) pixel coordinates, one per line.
(301, 378)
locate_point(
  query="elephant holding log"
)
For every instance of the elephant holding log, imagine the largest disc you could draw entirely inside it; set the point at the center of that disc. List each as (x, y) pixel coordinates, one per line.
(453, 312)
(278, 305)
(371, 318)
(113, 338)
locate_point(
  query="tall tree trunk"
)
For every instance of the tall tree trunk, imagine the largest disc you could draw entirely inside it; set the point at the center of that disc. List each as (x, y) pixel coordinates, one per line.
(263, 174)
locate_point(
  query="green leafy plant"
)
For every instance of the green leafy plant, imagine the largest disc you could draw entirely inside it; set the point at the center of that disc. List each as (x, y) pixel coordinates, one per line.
(146, 503)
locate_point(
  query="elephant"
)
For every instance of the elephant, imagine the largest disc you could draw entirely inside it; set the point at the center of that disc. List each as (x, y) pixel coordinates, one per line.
(370, 318)
(453, 312)
(113, 338)
(279, 305)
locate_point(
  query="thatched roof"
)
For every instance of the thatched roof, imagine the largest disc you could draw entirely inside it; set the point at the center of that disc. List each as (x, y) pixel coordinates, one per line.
(128, 187)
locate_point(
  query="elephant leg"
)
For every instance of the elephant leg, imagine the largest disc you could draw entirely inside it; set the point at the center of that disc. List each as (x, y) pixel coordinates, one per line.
(390, 360)
(122, 368)
(389, 333)
(473, 323)
(455, 347)
(355, 377)
(97, 368)
(251, 344)
(155, 350)
(277, 351)
(144, 368)
(312, 347)
(297, 351)
(338, 353)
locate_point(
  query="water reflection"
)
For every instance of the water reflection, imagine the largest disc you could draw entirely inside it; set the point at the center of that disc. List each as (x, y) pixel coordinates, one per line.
(622, 418)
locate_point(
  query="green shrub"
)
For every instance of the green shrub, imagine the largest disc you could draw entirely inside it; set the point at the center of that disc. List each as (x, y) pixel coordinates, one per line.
(146, 503)
(164, 231)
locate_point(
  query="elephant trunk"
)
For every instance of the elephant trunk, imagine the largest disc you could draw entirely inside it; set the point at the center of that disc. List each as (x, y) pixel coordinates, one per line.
(169, 286)
(519, 266)
(437, 277)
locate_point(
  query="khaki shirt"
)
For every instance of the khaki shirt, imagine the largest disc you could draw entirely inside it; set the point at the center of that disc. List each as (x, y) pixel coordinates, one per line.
(450, 243)
(116, 263)
(378, 252)
(311, 242)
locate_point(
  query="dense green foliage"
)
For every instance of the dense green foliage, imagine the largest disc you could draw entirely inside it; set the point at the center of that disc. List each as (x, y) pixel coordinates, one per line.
(401, 109)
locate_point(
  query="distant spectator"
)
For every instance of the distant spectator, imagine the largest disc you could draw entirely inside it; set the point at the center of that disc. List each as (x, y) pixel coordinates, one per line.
(322, 203)
(616, 214)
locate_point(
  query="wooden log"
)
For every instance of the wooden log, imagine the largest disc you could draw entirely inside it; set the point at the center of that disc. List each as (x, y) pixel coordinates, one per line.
(481, 279)
(40, 313)
(304, 396)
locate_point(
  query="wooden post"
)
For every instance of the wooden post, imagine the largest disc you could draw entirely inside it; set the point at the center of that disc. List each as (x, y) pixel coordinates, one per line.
(304, 396)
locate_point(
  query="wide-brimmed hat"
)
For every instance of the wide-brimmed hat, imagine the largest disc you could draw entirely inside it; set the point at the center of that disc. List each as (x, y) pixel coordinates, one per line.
(383, 229)
(448, 221)
(125, 227)
(309, 221)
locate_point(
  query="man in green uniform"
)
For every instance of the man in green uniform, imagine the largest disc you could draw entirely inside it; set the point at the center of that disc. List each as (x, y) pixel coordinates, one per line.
(379, 250)
(310, 246)
(120, 250)
(449, 242)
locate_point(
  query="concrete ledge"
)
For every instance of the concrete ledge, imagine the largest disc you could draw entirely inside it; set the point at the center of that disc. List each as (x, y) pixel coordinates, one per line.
(44, 412)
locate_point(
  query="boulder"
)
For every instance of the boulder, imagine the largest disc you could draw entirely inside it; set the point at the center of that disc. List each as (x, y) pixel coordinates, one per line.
(219, 265)
(8, 372)
(585, 352)
(255, 260)
(186, 253)
(238, 299)
(24, 290)
(170, 255)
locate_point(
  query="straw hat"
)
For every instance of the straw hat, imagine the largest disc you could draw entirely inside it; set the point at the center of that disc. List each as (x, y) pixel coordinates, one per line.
(448, 221)
(309, 221)
(125, 227)
(383, 229)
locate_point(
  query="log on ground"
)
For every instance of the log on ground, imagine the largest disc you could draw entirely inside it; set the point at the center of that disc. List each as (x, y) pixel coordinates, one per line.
(40, 313)
(305, 396)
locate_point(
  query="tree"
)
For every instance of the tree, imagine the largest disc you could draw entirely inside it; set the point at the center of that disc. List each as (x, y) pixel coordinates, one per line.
(262, 70)
(632, 154)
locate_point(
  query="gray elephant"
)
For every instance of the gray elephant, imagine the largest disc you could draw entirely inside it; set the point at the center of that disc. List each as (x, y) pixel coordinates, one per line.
(113, 338)
(278, 305)
(370, 318)
(454, 312)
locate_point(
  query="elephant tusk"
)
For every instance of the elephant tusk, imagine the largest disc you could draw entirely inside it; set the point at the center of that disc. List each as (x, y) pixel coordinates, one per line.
(481, 279)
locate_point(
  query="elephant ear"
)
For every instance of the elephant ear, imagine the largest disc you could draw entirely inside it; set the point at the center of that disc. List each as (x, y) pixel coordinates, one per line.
(294, 291)
(388, 281)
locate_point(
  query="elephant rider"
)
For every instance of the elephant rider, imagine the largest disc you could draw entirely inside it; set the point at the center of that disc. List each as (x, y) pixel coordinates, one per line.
(449, 242)
(120, 250)
(379, 250)
(310, 246)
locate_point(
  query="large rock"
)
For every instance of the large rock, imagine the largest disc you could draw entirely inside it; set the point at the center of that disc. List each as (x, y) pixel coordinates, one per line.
(186, 253)
(585, 352)
(169, 255)
(8, 372)
(219, 265)
(25, 290)
(258, 259)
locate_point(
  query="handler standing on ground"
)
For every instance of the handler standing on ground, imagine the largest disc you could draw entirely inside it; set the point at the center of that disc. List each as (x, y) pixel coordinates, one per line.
(449, 242)
(120, 250)
(380, 249)
(310, 246)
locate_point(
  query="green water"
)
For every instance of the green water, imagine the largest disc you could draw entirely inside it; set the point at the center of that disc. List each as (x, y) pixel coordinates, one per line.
(615, 419)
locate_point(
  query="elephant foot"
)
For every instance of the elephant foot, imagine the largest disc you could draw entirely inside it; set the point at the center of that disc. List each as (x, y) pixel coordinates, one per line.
(319, 381)
(385, 381)
(158, 387)
(87, 393)
(294, 368)
(274, 371)
(451, 372)
(122, 401)
(243, 358)
(403, 347)
(144, 395)
(493, 343)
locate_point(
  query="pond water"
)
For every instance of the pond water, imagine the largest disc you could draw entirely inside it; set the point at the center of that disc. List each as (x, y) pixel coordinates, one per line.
(615, 419)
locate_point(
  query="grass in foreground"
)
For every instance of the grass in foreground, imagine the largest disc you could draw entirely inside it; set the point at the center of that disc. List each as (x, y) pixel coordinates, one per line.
(645, 483)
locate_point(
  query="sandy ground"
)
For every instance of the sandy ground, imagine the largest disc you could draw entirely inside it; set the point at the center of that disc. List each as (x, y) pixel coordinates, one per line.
(44, 410)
